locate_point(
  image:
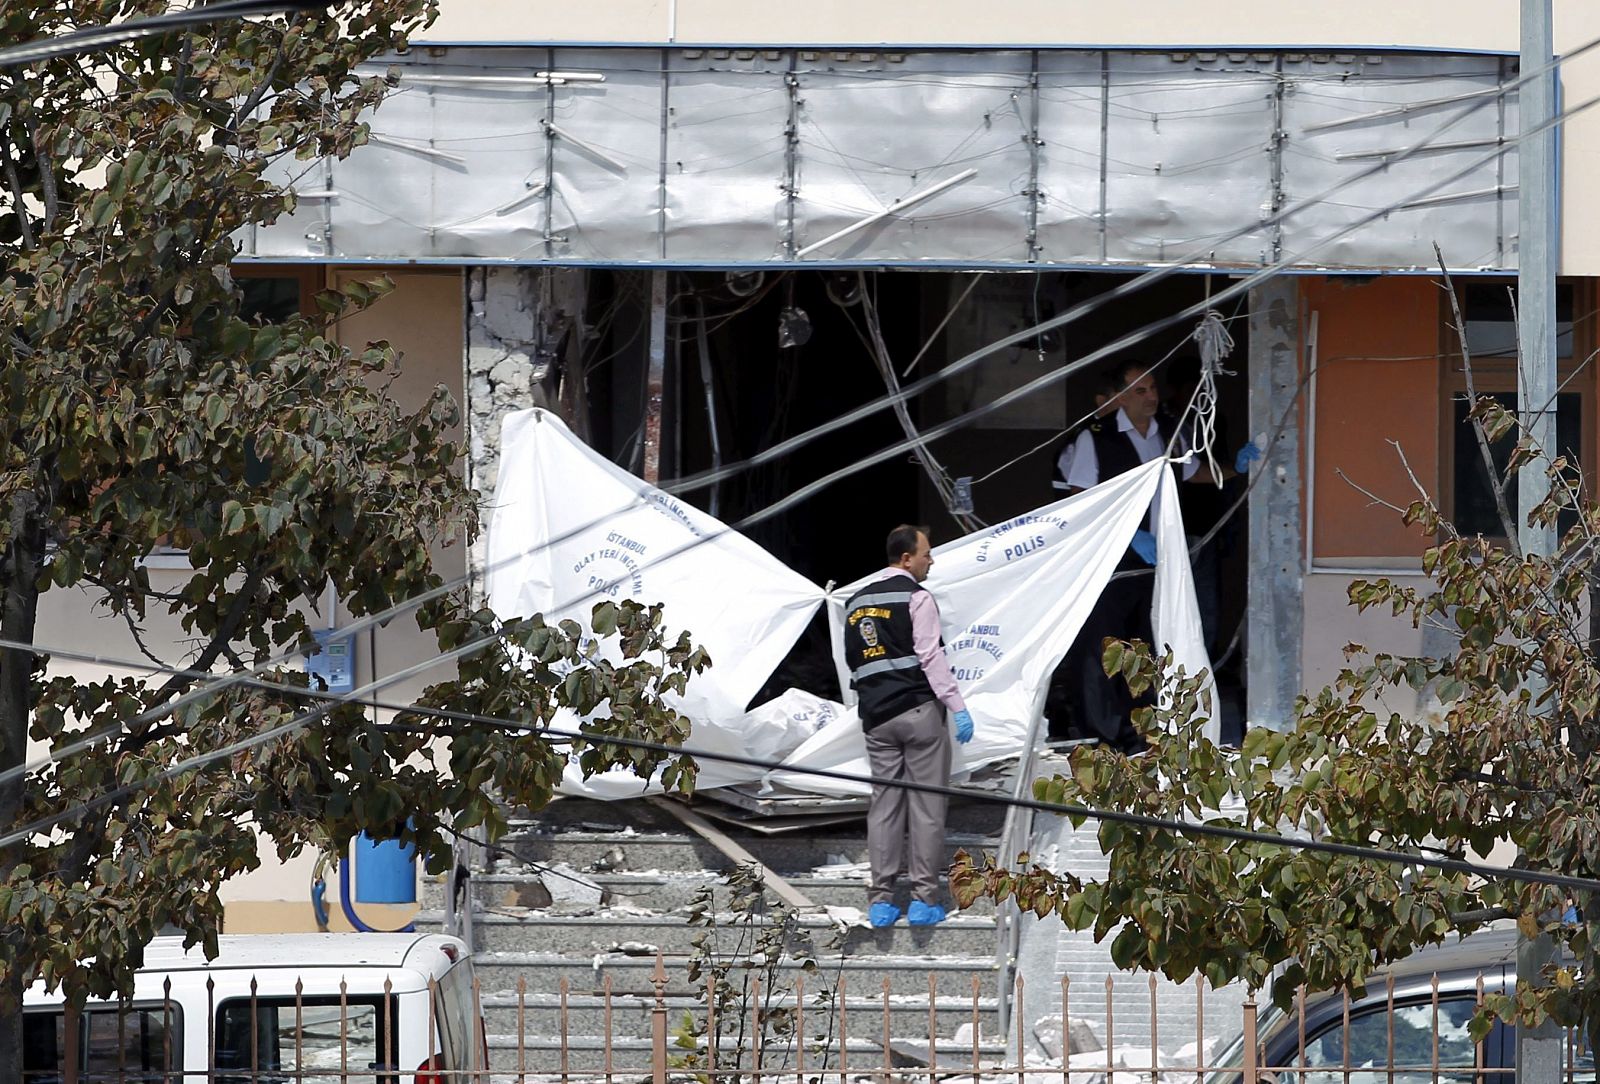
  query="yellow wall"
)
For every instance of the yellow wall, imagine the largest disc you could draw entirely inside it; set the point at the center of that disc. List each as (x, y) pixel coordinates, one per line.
(423, 320)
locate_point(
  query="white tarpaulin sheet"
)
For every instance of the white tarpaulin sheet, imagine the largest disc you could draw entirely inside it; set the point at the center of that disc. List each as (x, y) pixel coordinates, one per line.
(1011, 600)
(570, 528)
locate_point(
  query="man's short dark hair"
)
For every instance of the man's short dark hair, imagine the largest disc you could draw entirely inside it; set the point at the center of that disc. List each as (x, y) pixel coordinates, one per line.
(1130, 371)
(903, 540)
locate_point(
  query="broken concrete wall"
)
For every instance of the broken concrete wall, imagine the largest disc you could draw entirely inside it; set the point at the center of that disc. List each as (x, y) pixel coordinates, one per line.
(525, 328)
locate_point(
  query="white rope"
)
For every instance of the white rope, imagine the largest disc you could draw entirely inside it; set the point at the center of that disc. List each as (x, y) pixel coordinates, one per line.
(1211, 335)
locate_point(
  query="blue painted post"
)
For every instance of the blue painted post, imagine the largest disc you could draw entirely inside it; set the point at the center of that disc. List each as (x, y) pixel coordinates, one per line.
(386, 871)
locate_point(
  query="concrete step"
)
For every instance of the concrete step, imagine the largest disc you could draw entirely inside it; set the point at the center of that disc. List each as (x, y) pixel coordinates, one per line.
(657, 851)
(630, 1058)
(540, 1013)
(665, 890)
(864, 975)
(585, 935)
(585, 814)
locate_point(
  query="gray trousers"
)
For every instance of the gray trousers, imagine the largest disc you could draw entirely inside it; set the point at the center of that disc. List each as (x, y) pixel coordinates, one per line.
(915, 746)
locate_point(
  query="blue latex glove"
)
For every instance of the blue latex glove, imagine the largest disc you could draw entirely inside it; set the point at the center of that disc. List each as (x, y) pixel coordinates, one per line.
(1247, 455)
(1144, 544)
(963, 726)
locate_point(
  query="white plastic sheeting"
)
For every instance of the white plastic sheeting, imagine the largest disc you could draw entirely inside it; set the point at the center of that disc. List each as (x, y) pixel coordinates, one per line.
(1076, 157)
(1012, 599)
(569, 529)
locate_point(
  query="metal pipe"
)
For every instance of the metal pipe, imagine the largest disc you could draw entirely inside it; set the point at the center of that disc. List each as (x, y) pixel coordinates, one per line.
(709, 386)
(1034, 145)
(537, 79)
(1456, 197)
(1453, 145)
(1105, 156)
(419, 148)
(1409, 107)
(1538, 1048)
(555, 129)
(549, 189)
(655, 377)
(898, 205)
(1311, 348)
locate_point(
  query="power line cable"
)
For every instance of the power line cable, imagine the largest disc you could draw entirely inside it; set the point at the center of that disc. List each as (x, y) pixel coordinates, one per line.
(706, 478)
(1138, 820)
(86, 40)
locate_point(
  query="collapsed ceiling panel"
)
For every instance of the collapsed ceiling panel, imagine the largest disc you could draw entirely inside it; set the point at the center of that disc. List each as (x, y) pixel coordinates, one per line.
(1001, 158)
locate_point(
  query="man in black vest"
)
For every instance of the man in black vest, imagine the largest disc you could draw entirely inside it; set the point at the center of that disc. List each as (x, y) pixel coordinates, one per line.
(1136, 434)
(1104, 393)
(903, 684)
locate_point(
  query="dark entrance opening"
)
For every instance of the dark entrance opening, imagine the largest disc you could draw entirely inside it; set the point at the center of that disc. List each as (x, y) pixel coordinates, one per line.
(788, 351)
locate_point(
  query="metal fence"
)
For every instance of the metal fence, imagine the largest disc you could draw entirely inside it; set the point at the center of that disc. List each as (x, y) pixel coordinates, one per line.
(744, 1026)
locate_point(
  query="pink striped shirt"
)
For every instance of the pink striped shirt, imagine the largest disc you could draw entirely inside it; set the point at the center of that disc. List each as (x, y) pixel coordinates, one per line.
(925, 641)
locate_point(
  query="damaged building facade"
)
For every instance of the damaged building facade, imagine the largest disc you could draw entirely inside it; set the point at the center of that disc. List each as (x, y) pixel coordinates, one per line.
(696, 233)
(696, 229)
(694, 252)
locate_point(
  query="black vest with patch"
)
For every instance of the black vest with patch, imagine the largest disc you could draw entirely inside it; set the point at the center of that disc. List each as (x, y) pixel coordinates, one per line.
(1115, 454)
(881, 652)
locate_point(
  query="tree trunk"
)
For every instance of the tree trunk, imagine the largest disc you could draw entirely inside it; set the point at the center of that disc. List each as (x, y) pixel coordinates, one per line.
(19, 607)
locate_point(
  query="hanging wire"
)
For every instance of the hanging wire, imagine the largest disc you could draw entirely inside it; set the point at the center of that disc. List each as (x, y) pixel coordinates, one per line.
(1149, 278)
(878, 350)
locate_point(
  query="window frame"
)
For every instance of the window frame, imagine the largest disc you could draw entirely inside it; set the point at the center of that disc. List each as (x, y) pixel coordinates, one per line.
(253, 1004)
(170, 1010)
(1369, 1008)
(1498, 374)
(310, 279)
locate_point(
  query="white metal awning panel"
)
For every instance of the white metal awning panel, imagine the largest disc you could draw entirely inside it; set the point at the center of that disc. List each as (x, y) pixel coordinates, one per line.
(606, 159)
(875, 132)
(727, 157)
(1070, 151)
(1333, 133)
(1004, 158)
(1188, 159)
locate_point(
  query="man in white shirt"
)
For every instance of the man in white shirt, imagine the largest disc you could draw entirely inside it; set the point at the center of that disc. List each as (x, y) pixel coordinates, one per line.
(1104, 393)
(1134, 435)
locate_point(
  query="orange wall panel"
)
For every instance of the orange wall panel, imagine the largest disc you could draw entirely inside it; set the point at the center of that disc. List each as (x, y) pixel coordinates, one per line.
(1367, 397)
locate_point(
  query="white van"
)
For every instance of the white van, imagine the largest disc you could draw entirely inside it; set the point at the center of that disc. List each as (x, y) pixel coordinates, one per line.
(275, 1008)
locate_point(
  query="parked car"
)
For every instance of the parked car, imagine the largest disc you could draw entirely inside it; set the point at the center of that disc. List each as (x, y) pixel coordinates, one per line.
(1458, 965)
(272, 1007)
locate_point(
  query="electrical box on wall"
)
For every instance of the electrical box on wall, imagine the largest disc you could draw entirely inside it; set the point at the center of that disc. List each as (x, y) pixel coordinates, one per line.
(333, 662)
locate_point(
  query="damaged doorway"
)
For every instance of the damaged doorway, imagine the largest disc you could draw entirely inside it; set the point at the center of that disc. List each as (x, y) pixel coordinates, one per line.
(753, 358)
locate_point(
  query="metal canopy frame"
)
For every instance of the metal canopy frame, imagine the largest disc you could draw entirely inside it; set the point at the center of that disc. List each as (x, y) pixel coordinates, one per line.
(935, 158)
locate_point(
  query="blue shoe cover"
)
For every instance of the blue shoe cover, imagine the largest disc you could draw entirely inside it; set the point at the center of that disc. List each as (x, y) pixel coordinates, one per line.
(924, 914)
(883, 914)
